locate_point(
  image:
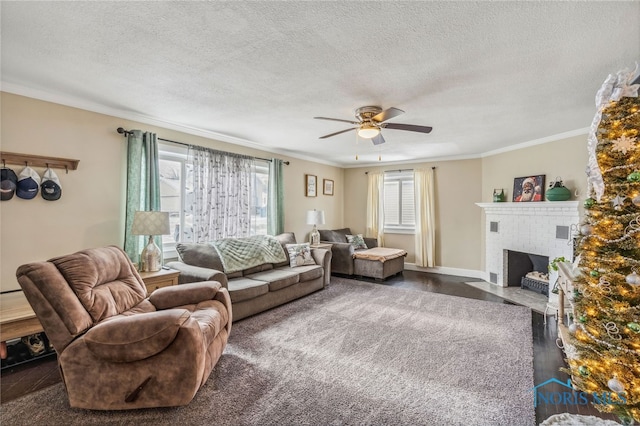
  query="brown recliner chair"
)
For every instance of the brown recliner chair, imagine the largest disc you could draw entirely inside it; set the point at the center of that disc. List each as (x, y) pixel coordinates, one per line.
(117, 348)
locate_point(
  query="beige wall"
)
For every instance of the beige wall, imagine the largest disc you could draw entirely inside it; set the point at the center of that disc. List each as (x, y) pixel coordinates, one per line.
(565, 158)
(458, 186)
(91, 210)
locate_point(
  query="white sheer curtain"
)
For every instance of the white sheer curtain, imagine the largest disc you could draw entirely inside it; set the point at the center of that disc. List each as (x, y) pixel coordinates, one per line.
(221, 202)
(375, 207)
(425, 221)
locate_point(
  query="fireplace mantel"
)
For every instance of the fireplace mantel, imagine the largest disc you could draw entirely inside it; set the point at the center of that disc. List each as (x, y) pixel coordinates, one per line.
(529, 205)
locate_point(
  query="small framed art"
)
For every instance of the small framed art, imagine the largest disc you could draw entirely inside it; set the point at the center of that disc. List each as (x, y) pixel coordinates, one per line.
(310, 185)
(327, 186)
(528, 188)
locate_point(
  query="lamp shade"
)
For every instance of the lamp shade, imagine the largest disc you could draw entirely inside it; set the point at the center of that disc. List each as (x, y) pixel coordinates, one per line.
(315, 217)
(150, 223)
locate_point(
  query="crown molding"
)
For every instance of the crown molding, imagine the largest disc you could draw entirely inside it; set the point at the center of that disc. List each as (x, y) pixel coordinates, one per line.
(540, 141)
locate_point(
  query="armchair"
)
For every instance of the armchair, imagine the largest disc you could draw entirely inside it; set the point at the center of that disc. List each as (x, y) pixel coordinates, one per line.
(117, 348)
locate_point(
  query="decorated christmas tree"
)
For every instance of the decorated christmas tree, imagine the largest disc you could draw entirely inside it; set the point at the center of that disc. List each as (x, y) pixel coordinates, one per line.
(606, 299)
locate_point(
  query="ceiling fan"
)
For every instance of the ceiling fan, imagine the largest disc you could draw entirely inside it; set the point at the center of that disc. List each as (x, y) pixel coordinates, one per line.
(371, 120)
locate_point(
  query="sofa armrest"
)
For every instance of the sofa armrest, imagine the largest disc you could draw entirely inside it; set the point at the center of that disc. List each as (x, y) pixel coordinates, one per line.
(342, 249)
(187, 294)
(371, 242)
(195, 274)
(135, 337)
(342, 258)
(323, 257)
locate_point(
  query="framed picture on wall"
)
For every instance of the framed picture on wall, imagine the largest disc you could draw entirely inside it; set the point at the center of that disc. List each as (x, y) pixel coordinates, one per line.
(327, 187)
(310, 185)
(528, 188)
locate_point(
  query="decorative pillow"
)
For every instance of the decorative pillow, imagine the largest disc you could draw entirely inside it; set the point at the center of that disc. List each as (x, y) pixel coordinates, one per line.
(357, 241)
(300, 254)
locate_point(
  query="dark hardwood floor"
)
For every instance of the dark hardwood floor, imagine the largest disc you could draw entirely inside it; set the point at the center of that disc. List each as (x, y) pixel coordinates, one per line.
(548, 358)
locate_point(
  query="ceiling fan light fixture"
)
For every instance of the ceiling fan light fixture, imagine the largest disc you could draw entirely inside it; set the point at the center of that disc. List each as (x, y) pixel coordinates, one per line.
(368, 131)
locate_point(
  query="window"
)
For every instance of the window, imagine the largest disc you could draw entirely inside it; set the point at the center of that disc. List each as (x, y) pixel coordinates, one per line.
(259, 196)
(176, 192)
(399, 203)
(173, 192)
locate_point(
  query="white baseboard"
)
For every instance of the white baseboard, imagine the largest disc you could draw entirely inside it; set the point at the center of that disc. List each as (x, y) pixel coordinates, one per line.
(472, 273)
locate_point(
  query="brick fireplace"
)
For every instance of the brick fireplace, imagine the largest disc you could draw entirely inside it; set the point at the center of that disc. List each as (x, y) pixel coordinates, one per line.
(542, 228)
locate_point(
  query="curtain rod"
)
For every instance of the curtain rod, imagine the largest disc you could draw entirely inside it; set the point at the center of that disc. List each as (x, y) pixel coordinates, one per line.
(124, 132)
(399, 170)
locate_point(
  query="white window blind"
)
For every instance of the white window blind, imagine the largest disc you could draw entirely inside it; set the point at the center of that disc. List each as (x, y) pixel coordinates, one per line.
(399, 202)
(391, 205)
(407, 202)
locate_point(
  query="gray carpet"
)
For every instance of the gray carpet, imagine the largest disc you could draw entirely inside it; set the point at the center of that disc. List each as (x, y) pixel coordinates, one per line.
(354, 353)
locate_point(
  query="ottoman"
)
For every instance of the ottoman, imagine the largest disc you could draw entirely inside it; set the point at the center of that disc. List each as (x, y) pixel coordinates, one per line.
(378, 262)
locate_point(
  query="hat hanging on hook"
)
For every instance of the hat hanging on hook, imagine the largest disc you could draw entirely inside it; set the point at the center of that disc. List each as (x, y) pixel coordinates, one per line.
(8, 183)
(50, 189)
(28, 183)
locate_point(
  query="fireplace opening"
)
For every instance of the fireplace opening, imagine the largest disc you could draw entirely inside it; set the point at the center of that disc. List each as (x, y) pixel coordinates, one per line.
(527, 270)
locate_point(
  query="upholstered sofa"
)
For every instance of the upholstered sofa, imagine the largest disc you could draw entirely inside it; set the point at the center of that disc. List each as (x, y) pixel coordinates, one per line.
(117, 347)
(256, 288)
(372, 261)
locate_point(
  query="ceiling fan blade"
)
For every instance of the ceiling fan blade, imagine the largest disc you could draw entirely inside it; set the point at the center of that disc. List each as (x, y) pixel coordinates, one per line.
(336, 133)
(337, 119)
(387, 114)
(409, 127)
(378, 139)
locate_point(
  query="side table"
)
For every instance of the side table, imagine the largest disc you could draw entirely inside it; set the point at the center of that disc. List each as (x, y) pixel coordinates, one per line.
(161, 278)
(17, 321)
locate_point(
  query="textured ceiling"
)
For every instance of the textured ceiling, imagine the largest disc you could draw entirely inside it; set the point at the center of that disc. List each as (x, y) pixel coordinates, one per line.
(485, 75)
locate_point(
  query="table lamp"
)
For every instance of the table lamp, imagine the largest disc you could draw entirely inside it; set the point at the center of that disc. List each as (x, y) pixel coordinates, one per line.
(315, 217)
(150, 223)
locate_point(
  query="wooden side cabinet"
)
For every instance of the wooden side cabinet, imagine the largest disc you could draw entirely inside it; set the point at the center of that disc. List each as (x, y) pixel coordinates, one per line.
(161, 278)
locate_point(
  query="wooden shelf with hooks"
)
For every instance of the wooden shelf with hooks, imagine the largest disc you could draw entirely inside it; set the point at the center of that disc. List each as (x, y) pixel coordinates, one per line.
(38, 161)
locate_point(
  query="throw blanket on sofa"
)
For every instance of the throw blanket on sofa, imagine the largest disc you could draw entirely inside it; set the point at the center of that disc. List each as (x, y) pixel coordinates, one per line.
(237, 254)
(379, 253)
